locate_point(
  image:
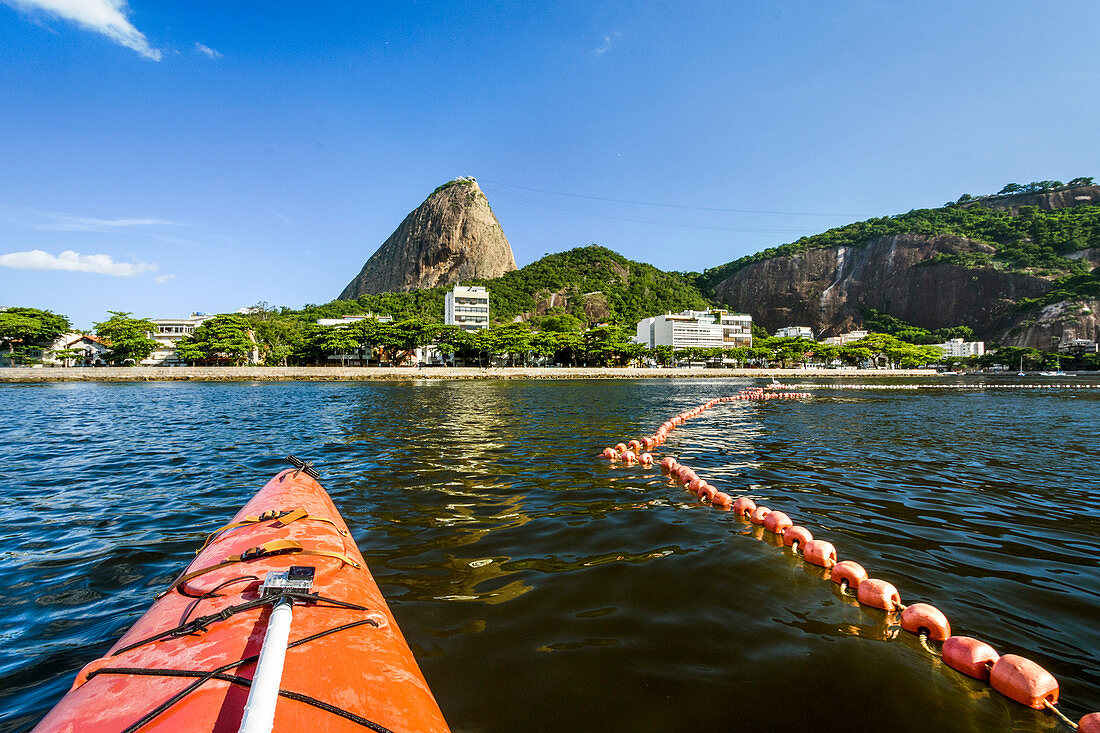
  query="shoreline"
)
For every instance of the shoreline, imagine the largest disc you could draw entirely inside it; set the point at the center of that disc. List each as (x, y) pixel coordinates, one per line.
(407, 374)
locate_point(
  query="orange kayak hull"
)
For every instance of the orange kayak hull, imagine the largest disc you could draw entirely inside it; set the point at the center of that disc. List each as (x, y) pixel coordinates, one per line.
(366, 669)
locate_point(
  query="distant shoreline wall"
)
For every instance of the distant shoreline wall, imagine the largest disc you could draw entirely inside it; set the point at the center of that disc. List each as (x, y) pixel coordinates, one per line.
(406, 374)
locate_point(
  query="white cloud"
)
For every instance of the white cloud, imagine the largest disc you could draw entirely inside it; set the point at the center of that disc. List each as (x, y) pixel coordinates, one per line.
(107, 17)
(161, 279)
(70, 223)
(207, 51)
(607, 41)
(36, 259)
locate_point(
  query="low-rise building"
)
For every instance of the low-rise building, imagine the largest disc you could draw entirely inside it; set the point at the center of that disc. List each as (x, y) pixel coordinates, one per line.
(712, 328)
(845, 338)
(169, 332)
(467, 306)
(361, 356)
(76, 349)
(959, 349)
(795, 332)
(1078, 347)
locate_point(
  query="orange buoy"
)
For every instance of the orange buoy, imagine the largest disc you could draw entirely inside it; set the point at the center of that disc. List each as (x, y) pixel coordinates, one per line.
(744, 506)
(923, 617)
(819, 552)
(667, 464)
(646, 459)
(696, 484)
(1089, 724)
(879, 594)
(609, 453)
(620, 447)
(629, 458)
(796, 537)
(848, 574)
(759, 514)
(634, 446)
(1023, 681)
(969, 656)
(722, 499)
(708, 492)
(777, 522)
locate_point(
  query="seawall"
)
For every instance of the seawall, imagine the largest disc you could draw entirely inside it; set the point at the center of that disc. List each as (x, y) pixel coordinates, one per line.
(405, 374)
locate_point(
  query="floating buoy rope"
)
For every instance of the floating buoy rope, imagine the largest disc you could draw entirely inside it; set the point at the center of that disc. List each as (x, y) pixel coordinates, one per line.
(1015, 677)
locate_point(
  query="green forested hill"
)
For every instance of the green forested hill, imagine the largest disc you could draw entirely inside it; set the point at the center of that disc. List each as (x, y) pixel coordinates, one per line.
(1027, 238)
(632, 290)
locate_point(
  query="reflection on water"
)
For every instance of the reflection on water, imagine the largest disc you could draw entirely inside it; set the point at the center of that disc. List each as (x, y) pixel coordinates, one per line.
(543, 589)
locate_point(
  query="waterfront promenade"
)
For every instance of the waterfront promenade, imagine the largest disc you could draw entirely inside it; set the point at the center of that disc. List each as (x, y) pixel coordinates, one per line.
(326, 373)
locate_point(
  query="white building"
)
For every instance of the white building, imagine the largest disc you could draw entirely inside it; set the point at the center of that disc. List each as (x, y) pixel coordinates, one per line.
(468, 307)
(169, 332)
(844, 338)
(959, 349)
(359, 357)
(83, 350)
(795, 332)
(1078, 346)
(696, 329)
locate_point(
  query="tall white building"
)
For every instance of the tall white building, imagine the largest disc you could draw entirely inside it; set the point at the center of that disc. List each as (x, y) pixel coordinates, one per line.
(959, 349)
(795, 332)
(468, 307)
(696, 329)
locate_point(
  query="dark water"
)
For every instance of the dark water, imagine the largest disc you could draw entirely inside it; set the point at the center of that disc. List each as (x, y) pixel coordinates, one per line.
(542, 589)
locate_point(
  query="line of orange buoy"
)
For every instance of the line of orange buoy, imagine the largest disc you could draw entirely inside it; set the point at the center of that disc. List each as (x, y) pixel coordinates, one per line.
(1015, 677)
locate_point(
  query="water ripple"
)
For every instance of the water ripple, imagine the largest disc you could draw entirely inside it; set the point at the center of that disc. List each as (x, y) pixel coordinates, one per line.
(515, 561)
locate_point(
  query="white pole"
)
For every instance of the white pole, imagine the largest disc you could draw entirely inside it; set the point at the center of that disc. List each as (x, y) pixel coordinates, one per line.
(259, 711)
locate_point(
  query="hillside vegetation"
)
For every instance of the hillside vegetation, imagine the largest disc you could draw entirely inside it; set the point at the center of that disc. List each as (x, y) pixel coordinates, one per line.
(1029, 239)
(631, 291)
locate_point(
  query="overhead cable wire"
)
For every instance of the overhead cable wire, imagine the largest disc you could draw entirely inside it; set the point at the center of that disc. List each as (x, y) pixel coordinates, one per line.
(665, 205)
(652, 222)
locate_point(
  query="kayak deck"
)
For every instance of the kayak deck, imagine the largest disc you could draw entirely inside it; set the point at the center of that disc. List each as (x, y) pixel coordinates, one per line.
(188, 662)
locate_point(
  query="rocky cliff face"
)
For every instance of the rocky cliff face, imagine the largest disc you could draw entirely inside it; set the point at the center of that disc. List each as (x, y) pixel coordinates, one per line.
(895, 275)
(453, 235)
(824, 288)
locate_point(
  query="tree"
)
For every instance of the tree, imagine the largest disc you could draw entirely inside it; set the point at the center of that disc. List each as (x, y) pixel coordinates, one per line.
(30, 327)
(568, 346)
(227, 337)
(65, 356)
(278, 338)
(128, 338)
(511, 340)
(325, 341)
(545, 343)
(607, 344)
(1082, 181)
(663, 354)
(1010, 188)
(401, 339)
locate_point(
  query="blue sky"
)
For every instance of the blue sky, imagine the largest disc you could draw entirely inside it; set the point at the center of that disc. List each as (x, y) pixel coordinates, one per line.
(163, 157)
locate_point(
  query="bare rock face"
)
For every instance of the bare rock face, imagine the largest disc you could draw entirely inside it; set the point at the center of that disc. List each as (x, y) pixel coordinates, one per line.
(452, 236)
(1052, 325)
(1046, 200)
(824, 288)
